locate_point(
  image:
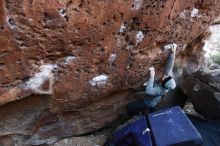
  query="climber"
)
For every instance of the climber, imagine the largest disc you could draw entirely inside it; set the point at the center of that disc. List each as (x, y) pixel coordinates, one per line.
(154, 90)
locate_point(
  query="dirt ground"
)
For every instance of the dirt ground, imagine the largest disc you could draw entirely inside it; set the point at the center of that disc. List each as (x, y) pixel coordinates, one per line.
(97, 139)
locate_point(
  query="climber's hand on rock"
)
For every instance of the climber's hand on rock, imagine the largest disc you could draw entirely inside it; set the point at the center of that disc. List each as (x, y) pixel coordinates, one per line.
(152, 71)
(173, 49)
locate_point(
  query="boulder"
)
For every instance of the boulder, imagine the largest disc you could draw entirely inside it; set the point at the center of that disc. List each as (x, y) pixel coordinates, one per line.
(203, 88)
(68, 67)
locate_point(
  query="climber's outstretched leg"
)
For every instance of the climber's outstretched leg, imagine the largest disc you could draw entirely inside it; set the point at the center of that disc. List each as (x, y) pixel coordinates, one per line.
(137, 107)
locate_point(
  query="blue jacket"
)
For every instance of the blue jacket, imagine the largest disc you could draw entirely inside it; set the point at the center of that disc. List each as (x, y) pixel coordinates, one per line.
(154, 92)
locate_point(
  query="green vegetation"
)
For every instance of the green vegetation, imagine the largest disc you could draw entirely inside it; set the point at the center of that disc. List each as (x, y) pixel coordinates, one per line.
(216, 58)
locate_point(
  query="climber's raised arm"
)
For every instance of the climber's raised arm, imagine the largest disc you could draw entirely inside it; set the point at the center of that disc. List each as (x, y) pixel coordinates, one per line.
(150, 89)
(170, 61)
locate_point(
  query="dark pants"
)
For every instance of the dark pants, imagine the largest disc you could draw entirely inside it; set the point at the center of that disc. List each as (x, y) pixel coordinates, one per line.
(137, 107)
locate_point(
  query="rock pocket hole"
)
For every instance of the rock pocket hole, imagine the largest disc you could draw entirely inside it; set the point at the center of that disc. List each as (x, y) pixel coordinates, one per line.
(80, 5)
(121, 15)
(104, 23)
(132, 5)
(75, 9)
(1, 27)
(45, 15)
(66, 18)
(11, 22)
(31, 2)
(2, 65)
(114, 17)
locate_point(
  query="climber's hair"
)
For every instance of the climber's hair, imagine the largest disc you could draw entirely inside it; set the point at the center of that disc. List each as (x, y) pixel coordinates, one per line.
(166, 80)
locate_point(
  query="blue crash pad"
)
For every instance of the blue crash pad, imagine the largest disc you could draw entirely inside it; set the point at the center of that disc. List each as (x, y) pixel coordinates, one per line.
(134, 133)
(172, 127)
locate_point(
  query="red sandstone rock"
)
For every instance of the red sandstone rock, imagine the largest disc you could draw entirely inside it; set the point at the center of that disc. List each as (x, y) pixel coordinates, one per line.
(51, 51)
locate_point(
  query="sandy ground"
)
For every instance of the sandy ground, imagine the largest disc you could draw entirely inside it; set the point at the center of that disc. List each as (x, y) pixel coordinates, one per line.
(97, 139)
(190, 110)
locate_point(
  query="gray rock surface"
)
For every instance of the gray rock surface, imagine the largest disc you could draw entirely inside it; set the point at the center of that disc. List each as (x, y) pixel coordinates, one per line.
(203, 88)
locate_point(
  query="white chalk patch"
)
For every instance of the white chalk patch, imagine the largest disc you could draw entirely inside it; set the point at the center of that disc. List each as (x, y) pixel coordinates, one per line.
(101, 79)
(30, 19)
(139, 37)
(62, 12)
(194, 12)
(68, 59)
(39, 78)
(137, 4)
(112, 58)
(122, 28)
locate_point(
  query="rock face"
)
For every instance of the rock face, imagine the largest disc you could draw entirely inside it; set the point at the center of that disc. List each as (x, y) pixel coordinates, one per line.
(68, 66)
(203, 88)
